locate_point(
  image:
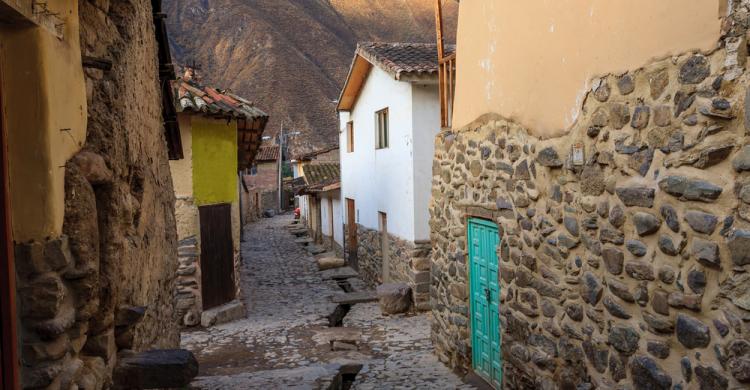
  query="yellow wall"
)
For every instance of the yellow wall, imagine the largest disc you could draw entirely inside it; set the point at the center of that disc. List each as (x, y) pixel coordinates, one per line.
(44, 109)
(182, 170)
(186, 212)
(532, 61)
(214, 161)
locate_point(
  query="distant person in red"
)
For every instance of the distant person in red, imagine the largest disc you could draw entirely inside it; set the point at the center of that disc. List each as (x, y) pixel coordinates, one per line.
(297, 213)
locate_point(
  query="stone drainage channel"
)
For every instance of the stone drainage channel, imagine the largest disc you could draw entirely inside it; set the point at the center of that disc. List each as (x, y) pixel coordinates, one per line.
(347, 374)
(345, 378)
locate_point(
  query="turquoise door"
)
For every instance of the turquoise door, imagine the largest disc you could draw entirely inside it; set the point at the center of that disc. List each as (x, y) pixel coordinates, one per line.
(485, 298)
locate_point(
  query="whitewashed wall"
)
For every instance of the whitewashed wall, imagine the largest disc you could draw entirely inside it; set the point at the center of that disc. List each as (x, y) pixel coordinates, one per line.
(383, 180)
(338, 220)
(426, 125)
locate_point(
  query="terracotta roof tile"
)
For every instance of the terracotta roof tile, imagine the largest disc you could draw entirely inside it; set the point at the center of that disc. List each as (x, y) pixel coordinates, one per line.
(320, 175)
(194, 97)
(267, 153)
(402, 58)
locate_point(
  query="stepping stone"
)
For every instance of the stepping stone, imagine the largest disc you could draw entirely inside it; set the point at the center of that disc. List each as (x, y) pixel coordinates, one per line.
(315, 249)
(325, 263)
(171, 368)
(304, 240)
(342, 334)
(228, 312)
(343, 346)
(342, 273)
(299, 233)
(355, 297)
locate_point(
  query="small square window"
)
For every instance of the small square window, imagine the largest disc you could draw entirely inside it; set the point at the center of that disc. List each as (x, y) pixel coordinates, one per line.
(381, 125)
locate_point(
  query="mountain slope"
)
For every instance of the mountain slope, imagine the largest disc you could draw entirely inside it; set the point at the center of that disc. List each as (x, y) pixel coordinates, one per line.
(291, 57)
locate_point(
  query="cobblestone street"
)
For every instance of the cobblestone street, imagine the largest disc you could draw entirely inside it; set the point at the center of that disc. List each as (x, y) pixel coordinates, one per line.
(285, 340)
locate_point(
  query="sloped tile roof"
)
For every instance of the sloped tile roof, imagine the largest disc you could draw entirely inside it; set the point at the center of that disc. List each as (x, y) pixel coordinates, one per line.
(320, 175)
(402, 58)
(194, 97)
(313, 154)
(267, 153)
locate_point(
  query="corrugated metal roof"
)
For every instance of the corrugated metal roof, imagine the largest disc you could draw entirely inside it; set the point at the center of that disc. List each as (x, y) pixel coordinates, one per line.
(194, 97)
(267, 153)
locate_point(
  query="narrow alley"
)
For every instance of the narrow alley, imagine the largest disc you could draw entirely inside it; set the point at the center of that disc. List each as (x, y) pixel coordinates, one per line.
(286, 340)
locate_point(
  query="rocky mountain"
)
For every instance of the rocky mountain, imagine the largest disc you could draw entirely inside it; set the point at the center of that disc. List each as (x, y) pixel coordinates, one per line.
(291, 57)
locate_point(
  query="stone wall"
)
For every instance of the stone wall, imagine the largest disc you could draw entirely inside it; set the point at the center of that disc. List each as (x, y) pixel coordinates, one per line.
(333, 246)
(188, 301)
(106, 284)
(625, 244)
(409, 263)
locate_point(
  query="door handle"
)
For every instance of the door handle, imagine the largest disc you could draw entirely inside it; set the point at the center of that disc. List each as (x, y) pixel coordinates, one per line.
(487, 294)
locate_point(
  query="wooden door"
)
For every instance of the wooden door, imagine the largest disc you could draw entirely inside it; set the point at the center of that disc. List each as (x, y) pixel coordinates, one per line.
(351, 233)
(485, 300)
(217, 255)
(8, 341)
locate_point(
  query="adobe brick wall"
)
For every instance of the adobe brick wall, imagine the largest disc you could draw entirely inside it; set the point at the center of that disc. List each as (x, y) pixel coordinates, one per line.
(119, 247)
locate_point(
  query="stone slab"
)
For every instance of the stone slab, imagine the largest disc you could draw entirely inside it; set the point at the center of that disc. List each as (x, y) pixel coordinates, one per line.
(339, 273)
(344, 334)
(325, 263)
(170, 368)
(304, 240)
(229, 312)
(355, 297)
(315, 249)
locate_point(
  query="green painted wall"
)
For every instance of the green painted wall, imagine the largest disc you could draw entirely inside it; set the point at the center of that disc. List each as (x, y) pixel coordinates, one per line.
(214, 161)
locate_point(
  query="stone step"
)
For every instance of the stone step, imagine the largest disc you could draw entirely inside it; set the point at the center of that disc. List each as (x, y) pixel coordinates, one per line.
(342, 273)
(344, 334)
(304, 240)
(355, 297)
(315, 249)
(228, 312)
(325, 263)
(156, 369)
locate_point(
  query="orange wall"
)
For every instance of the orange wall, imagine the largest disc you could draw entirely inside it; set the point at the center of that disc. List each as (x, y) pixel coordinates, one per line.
(532, 61)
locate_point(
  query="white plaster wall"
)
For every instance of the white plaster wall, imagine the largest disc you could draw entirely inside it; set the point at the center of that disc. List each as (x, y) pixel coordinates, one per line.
(338, 218)
(304, 207)
(426, 125)
(381, 180)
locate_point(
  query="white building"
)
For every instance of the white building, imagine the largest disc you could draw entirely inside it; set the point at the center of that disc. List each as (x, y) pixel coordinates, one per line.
(319, 201)
(389, 116)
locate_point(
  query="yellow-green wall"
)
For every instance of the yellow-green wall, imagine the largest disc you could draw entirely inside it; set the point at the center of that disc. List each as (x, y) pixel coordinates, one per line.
(214, 161)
